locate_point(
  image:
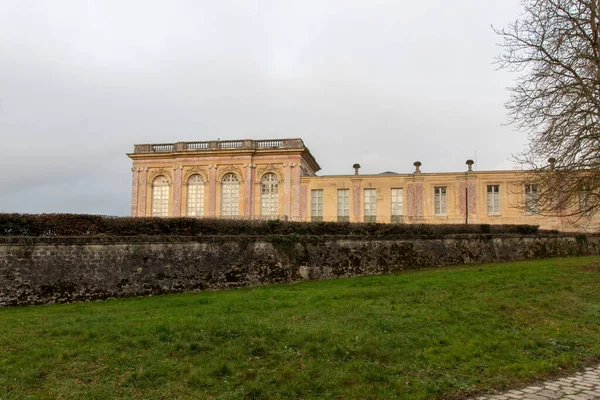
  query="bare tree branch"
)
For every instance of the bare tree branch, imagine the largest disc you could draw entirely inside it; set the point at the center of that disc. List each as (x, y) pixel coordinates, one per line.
(555, 47)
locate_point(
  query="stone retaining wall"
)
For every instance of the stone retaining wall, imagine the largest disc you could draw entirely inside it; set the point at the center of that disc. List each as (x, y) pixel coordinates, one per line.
(55, 269)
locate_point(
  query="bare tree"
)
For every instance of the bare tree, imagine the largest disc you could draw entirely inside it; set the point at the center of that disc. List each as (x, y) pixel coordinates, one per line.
(555, 47)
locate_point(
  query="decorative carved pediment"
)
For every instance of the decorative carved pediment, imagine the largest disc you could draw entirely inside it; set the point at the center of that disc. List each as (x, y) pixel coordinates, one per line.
(226, 169)
(155, 172)
(263, 169)
(194, 170)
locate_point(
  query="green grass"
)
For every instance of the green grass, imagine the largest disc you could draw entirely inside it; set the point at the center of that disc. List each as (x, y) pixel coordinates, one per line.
(430, 334)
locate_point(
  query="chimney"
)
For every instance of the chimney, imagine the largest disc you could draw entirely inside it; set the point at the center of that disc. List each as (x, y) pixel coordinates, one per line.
(470, 165)
(417, 165)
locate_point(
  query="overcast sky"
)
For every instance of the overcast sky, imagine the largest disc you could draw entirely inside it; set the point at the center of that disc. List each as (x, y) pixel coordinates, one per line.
(381, 83)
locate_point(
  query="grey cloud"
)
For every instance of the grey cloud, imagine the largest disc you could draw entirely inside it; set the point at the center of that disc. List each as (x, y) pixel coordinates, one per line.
(382, 82)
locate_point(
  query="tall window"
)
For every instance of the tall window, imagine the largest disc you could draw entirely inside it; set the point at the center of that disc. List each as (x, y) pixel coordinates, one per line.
(531, 200)
(370, 205)
(343, 205)
(585, 200)
(230, 190)
(493, 199)
(269, 195)
(316, 205)
(160, 196)
(397, 205)
(440, 200)
(195, 196)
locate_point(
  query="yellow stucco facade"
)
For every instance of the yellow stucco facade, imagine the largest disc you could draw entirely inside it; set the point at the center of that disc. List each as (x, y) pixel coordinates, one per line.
(277, 179)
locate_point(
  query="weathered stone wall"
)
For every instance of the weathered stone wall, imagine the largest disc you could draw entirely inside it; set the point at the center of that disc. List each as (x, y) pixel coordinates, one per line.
(46, 270)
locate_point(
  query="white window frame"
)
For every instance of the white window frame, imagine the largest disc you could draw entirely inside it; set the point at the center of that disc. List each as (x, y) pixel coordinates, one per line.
(493, 200)
(440, 201)
(230, 195)
(532, 206)
(370, 205)
(316, 205)
(195, 196)
(397, 204)
(160, 196)
(343, 205)
(269, 195)
(585, 201)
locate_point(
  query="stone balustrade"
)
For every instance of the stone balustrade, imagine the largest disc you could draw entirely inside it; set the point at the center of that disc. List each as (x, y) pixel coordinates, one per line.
(219, 145)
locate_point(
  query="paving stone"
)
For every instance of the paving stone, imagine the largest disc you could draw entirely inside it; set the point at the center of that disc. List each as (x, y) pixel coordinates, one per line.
(581, 386)
(550, 394)
(574, 397)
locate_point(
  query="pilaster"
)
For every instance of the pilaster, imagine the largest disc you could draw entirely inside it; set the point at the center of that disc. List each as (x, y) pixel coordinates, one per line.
(143, 184)
(287, 186)
(177, 172)
(469, 186)
(356, 183)
(134, 191)
(212, 190)
(415, 199)
(249, 189)
(297, 174)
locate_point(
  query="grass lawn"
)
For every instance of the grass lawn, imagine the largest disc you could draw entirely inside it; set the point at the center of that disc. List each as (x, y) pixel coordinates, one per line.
(440, 333)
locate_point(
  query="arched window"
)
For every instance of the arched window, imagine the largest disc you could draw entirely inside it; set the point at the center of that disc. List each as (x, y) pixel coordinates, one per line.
(269, 195)
(160, 196)
(230, 189)
(195, 196)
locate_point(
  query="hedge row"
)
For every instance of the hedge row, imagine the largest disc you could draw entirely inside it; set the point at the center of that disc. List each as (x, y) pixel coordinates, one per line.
(92, 225)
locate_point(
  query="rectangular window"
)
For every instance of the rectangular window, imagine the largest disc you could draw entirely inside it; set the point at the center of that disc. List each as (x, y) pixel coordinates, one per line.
(585, 201)
(343, 205)
(370, 205)
(397, 205)
(316, 205)
(493, 199)
(531, 200)
(440, 201)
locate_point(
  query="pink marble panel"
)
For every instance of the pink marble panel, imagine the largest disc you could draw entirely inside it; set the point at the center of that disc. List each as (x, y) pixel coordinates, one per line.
(303, 202)
(212, 191)
(472, 197)
(249, 190)
(177, 192)
(410, 200)
(134, 192)
(356, 199)
(296, 192)
(287, 185)
(419, 199)
(143, 186)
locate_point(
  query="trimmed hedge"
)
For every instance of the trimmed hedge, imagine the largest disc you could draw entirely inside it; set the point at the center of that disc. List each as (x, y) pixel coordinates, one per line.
(94, 225)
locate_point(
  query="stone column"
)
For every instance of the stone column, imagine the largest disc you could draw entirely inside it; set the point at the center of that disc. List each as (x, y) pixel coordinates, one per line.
(297, 174)
(249, 189)
(143, 177)
(356, 200)
(134, 192)
(212, 190)
(287, 188)
(177, 172)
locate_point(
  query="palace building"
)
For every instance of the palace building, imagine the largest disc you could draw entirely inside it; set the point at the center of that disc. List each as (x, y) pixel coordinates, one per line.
(269, 179)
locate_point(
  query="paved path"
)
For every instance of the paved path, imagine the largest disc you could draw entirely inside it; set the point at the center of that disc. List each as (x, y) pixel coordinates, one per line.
(582, 386)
